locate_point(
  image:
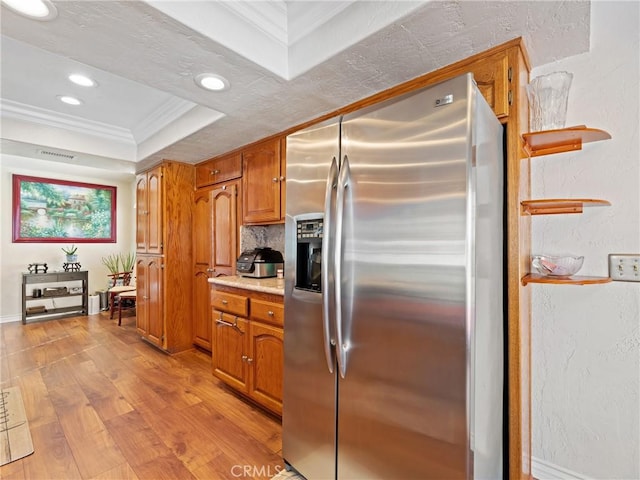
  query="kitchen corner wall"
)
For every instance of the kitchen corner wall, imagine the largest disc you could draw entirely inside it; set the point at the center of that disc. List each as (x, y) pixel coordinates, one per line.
(15, 257)
(252, 236)
(585, 339)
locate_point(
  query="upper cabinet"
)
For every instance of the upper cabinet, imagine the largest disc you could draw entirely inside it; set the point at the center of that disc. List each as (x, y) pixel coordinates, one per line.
(263, 185)
(149, 211)
(493, 77)
(219, 170)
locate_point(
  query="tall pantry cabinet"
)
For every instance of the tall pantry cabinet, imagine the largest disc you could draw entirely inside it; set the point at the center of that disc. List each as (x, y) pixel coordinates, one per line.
(216, 240)
(164, 196)
(217, 211)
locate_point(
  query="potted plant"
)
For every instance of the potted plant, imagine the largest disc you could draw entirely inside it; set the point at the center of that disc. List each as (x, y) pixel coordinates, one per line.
(71, 253)
(112, 262)
(128, 261)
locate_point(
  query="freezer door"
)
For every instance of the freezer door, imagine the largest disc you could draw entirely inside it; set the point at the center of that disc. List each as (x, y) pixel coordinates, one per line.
(404, 281)
(309, 403)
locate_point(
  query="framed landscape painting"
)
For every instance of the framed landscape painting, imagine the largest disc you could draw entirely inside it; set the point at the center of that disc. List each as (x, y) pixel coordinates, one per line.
(47, 210)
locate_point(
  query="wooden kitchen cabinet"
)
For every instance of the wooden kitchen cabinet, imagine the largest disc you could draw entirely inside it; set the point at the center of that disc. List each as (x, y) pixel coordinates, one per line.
(229, 354)
(493, 77)
(220, 169)
(149, 211)
(215, 249)
(149, 294)
(266, 354)
(164, 197)
(263, 182)
(248, 353)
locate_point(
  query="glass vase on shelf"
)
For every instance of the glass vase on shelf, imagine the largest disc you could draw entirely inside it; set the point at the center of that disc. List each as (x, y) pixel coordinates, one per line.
(548, 98)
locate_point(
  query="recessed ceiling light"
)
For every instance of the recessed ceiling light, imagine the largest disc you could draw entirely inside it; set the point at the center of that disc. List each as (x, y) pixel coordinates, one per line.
(82, 80)
(69, 100)
(36, 9)
(210, 81)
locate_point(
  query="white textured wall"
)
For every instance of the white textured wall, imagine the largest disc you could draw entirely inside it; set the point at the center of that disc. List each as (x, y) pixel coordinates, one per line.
(15, 257)
(586, 340)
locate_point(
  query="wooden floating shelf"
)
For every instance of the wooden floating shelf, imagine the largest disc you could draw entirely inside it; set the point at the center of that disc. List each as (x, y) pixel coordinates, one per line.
(562, 140)
(560, 205)
(574, 280)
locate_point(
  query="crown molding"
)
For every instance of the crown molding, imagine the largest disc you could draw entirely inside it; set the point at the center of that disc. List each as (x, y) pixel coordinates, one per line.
(268, 17)
(305, 19)
(162, 116)
(28, 113)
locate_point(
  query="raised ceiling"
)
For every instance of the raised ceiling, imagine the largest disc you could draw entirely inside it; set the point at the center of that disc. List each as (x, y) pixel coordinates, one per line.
(287, 62)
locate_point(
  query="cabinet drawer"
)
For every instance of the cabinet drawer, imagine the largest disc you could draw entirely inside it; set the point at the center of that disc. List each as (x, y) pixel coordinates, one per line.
(267, 312)
(71, 276)
(219, 170)
(230, 303)
(226, 320)
(35, 278)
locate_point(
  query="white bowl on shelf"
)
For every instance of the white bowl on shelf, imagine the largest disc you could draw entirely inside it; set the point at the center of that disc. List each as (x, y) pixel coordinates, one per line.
(557, 265)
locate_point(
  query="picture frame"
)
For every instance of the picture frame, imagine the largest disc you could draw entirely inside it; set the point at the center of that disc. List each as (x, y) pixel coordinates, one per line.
(48, 210)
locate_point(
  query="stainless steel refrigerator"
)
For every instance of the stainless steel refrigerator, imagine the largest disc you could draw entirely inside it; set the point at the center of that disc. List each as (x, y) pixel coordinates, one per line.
(393, 338)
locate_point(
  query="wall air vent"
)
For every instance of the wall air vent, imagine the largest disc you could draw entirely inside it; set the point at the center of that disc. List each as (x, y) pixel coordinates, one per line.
(59, 156)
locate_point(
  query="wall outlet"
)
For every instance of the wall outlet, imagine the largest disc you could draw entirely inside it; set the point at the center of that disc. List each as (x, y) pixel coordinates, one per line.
(624, 267)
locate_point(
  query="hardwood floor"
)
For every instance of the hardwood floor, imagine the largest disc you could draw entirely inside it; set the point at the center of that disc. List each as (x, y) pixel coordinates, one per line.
(103, 404)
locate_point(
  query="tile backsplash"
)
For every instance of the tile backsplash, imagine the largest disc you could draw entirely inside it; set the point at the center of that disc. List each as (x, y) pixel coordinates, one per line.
(254, 236)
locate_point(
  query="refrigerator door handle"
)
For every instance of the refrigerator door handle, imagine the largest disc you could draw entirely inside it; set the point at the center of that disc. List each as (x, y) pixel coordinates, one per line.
(343, 183)
(327, 280)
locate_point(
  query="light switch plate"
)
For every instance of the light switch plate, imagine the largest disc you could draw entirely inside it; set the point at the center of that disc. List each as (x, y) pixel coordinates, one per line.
(624, 267)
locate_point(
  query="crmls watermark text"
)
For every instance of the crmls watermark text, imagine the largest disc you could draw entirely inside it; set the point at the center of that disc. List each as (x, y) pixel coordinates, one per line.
(268, 471)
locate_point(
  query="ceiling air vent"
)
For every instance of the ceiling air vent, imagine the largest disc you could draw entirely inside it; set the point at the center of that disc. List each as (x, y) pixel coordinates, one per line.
(59, 156)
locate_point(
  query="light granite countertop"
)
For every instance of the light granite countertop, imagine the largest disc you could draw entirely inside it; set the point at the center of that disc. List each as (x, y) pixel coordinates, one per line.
(265, 285)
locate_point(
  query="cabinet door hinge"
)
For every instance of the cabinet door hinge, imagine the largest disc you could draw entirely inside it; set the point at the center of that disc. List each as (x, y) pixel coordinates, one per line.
(510, 74)
(510, 97)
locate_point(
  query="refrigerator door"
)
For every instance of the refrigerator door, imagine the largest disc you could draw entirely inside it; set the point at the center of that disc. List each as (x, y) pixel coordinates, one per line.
(404, 280)
(309, 403)
(487, 359)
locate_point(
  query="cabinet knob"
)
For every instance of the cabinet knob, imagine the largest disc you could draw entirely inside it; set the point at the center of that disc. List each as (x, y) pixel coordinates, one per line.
(244, 358)
(270, 313)
(209, 269)
(274, 179)
(224, 302)
(249, 360)
(214, 172)
(282, 179)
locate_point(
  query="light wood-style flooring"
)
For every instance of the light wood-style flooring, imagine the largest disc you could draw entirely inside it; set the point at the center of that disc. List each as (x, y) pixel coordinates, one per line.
(103, 404)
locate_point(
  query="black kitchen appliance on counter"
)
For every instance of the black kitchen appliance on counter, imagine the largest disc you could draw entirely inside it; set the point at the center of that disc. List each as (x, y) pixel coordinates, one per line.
(262, 262)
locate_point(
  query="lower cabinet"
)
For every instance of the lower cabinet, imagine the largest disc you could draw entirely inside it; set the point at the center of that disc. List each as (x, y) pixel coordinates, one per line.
(229, 352)
(163, 303)
(247, 349)
(149, 312)
(266, 362)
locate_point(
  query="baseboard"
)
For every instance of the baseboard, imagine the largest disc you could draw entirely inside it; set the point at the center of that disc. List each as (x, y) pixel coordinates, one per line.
(544, 470)
(11, 318)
